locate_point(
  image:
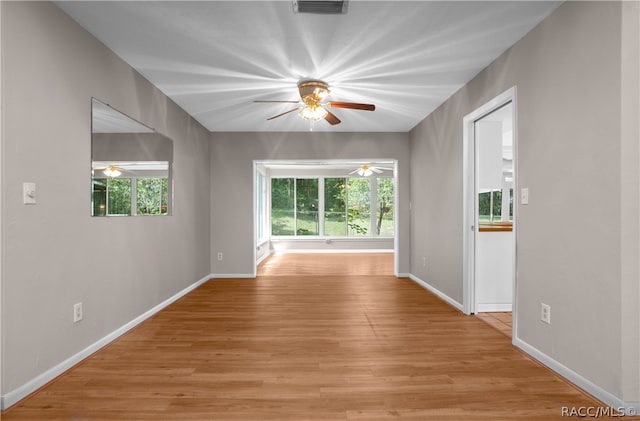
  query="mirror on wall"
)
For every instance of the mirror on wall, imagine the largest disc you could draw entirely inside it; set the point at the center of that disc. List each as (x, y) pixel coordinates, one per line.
(131, 166)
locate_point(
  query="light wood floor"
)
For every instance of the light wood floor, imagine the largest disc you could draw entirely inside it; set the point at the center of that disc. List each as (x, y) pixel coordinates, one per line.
(498, 320)
(314, 337)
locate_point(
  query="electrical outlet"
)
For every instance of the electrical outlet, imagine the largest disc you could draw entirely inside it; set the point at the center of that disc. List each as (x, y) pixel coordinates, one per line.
(424, 261)
(77, 312)
(545, 313)
(220, 256)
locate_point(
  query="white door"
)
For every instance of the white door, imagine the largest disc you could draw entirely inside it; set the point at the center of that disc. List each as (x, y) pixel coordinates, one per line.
(489, 209)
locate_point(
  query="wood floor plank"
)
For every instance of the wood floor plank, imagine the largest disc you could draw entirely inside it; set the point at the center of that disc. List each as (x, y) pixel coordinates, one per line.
(313, 337)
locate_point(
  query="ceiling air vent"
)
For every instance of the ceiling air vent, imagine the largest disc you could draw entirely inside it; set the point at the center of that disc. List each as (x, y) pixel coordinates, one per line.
(324, 7)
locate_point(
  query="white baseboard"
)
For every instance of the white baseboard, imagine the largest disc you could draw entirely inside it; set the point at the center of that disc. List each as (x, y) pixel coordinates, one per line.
(444, 297)
(263, 257)
(232, 275)
(31, 386)
(630, 408)
(340, 251)
(493, 307)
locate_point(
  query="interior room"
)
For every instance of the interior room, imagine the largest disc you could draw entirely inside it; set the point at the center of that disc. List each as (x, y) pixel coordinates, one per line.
(347, 181)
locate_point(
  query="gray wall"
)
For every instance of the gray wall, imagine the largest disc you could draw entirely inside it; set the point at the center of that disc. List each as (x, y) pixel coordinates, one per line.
(131, 147)
(569, 97)
(232, 156)
(579, 238)
(630, 193)
(54, 253)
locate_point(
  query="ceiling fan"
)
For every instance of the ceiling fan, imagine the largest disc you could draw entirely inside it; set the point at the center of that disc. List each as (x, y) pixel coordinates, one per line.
(312, 105)
(365, 170)
(108, 170)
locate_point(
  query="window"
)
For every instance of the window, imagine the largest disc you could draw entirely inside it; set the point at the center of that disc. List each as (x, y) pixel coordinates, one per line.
(384, 207)
(335, 208)
(306, 220)
(492, 209)
(261, 211)
(118, 196)
(111, 196)
(283, 206)
(353, 207)
(151, 196)
(359, 206)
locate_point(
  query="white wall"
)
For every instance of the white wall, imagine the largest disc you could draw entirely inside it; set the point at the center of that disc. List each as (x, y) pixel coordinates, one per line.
(569, 94)
(232, 156)
(54, 253)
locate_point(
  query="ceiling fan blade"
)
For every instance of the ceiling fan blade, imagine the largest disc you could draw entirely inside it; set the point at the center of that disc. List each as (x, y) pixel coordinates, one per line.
(331, 118)
(288, 102)
(286, 112)
(352, 105)
(354, 171)
(376, 170)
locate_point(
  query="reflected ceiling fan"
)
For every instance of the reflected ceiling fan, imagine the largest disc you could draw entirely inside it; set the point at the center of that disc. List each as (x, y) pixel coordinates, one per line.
(365, 170)
(312, 104)
(109, 170)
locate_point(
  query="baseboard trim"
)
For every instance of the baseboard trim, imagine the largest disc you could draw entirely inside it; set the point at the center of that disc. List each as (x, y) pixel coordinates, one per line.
(497, 307)
(263, 258)
(444, 297)
(327, 251)
(16, 395)
(233, 275)
(629, 408)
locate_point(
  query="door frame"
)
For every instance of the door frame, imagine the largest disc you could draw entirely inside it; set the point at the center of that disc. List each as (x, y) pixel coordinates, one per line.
(319, 164)
(469, 201)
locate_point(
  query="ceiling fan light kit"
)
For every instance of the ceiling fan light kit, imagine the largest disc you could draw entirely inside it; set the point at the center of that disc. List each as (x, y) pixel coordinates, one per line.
(312, 105)
(365, 170)
(112, 171)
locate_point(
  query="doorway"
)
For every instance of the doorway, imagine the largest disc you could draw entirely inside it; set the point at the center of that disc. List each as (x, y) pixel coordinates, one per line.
(489, 209)
(329, 206)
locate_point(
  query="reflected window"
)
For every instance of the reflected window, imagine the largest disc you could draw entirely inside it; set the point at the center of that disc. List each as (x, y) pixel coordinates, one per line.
(130, 188)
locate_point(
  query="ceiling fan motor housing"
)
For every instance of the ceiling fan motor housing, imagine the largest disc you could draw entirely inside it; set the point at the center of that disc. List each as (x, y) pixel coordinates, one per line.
(313, 91)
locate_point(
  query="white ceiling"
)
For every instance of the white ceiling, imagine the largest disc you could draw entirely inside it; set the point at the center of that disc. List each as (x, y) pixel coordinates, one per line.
(214, 58)
(105, 119)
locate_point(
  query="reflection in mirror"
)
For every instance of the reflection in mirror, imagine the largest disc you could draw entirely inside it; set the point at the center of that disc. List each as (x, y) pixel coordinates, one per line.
(131, 166)
(494, 136)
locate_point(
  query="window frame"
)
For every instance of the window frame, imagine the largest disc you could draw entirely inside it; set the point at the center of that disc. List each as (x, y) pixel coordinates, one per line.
(372, 228)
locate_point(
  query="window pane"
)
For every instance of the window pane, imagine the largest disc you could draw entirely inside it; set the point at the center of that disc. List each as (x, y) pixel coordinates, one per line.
(335, 221)
(358, 202)
(99, 196)
(119, 196)
(484, 207)
(307, 206)
(282, 206)
(165, 196)
(260, 206)
(385, 211)
(150, 196)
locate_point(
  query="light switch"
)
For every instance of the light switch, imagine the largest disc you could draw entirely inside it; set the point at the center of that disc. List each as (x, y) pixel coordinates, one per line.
(524, 196)
(29, 193)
